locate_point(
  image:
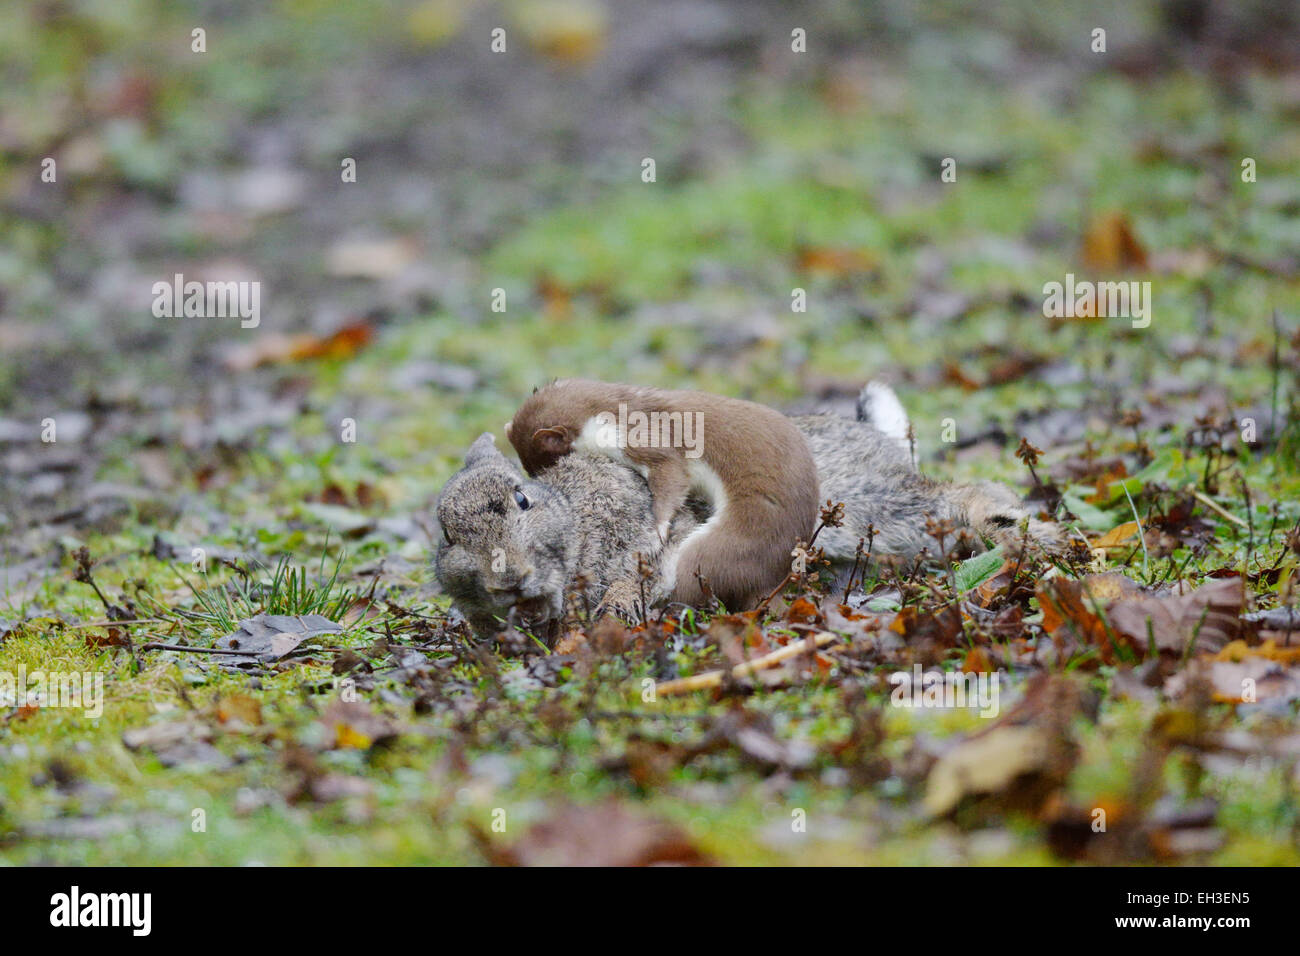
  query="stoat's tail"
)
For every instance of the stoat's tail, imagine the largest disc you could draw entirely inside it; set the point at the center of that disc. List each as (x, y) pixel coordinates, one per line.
(879, 407)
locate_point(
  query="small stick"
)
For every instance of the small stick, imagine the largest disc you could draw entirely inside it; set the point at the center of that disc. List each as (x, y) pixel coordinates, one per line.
(197, 650)
(139, 620)
(762, 605)
(1211, 503)
(715, 678)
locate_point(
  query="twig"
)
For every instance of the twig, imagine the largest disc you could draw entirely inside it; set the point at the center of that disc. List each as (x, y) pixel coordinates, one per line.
(715, 678)
(1212, 504)
(197, 650)
(762, 605)
(139, 620)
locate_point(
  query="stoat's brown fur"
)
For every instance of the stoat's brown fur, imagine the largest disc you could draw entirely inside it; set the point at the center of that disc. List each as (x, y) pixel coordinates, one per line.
(750, 461)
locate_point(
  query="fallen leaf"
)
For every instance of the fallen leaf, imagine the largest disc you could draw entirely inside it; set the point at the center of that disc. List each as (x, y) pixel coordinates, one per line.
(178, 743)
(269, 637)
(274, 348)
(1122, 536)
(1205, 619)
(836, 263)
(571, 32)
(239, 708)
(603, 835)
(984, 765)
(1020, 763)
(1250, 680)
(1109, 244)
(354, 726)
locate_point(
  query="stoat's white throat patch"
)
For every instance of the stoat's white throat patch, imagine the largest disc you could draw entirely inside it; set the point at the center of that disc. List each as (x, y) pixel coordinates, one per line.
(633, 428)
(599, 436)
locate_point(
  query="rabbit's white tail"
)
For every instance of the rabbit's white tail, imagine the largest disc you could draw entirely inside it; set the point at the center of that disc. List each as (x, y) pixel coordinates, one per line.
(879, 406)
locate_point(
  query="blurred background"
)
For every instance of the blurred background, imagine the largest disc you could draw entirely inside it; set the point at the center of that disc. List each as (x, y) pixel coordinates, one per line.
(521, 171)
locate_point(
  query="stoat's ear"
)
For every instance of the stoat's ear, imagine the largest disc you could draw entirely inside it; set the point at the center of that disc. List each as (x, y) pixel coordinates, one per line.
(553, 441)
(509, 425)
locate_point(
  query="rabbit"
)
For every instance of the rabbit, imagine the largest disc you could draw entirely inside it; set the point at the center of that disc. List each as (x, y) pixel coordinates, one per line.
(868, 465)
(514, 547)
(589, 520)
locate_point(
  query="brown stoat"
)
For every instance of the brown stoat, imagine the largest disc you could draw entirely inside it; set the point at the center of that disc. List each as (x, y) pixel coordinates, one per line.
(754, 468)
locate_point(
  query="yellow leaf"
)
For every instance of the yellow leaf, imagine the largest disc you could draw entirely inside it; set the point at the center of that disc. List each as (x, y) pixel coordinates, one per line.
(347, 736)
(1109, 243)
(1117, 537)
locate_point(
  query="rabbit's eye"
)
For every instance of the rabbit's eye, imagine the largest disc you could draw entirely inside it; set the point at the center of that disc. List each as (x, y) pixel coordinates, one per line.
(522, 501)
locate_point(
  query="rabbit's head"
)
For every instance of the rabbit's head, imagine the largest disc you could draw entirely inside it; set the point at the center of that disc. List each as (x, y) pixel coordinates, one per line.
(508, 548)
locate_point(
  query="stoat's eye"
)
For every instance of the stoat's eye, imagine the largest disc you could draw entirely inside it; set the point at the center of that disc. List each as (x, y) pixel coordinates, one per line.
(522, 501)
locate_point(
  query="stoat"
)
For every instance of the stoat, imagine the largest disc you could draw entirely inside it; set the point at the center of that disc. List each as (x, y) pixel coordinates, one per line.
(750, 462)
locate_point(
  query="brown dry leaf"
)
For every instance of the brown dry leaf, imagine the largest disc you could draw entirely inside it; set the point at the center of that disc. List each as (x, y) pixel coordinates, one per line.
(1119, 537)
(1109, 244)
(310, 781)
(1070, 611)
(977, 662)
(557, 299)
(984, 765)
(1235, 682)
(803, 611)
(836, 263)
(1102, 475)
(112, 637)
(571, 643)
(355, 726)
(178, 743)
(1239, 651)
(1012, 368)
(739, 638)
(571, 32)
(988, 591)
(650, 763)
(606, 834)
(1210, 615)
(275, 349)
(239, 708)
(953, 374)
(753, 734)
(1021, 762)
(363, 495)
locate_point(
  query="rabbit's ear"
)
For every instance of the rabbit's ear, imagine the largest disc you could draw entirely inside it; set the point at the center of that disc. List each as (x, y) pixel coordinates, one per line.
(483, 450)
(553, 441)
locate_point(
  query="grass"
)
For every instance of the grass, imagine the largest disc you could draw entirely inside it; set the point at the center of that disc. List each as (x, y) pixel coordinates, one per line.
(286, 590)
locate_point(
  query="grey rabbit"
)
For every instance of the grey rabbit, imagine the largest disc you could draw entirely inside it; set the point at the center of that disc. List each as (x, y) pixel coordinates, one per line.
(868, 465)
(514, 547)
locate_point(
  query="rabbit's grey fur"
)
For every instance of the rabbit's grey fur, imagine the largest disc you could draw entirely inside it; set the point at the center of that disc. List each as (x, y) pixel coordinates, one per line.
(590, 520)
(872, 474)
